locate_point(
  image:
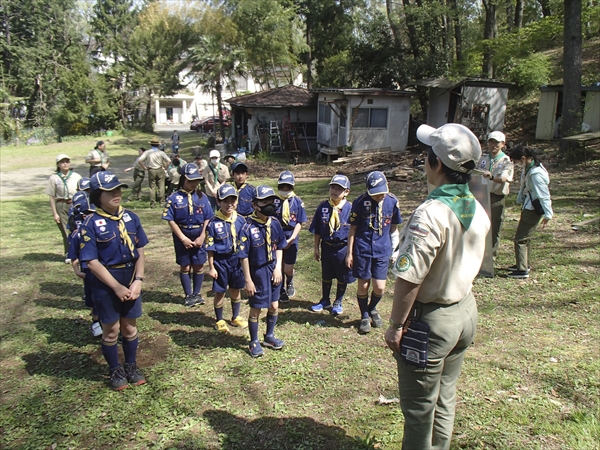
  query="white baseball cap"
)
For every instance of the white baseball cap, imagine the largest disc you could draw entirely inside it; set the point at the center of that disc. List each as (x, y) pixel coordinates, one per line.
(214, 154)
(62, 156)
(498, 136)
(453, 143)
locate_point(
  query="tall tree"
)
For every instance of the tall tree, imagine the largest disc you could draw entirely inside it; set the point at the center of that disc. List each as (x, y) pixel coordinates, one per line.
(489, 33)
(571, 108)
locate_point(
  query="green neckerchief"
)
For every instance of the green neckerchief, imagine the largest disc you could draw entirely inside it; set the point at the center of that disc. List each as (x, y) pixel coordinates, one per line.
(215, 171)
(459, 199)
(496, 158)
(528, 167)
(64, 179)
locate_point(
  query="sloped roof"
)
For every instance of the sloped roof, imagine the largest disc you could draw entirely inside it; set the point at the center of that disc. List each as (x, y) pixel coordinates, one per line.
(281, 97)
(367, 91)
(444, 83)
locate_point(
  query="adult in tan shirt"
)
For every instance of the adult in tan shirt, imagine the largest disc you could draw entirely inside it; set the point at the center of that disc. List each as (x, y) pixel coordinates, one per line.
(500, 173)
(155, 161)
(98, 158)
(215, 174)
(441, 251)
(61, 187)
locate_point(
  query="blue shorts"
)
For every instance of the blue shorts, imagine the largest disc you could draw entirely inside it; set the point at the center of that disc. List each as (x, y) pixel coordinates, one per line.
(333, 264)
(368, 268)
(189, 256)
(108, 306)
(266, 292)
(291, 254)
(230, 273)
(87, 288)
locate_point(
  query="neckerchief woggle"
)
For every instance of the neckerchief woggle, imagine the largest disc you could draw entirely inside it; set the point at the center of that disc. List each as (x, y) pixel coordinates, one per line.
(231, 221)
(459, 199)
(122, 230)
(267, 224)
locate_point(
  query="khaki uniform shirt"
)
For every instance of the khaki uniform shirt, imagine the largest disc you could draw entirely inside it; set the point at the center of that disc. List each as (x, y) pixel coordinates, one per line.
(501, 168)
(212, 186)
(155, 159)
(97, 154)
(57, 187)
(439, 254)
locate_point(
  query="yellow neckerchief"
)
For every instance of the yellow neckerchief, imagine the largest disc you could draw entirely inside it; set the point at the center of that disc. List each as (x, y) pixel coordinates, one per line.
(285, 207)
(231, 221)
(379, 208)
(334, 220)
(234, 184)
(122, 230)
(267, 224)
(190, 200)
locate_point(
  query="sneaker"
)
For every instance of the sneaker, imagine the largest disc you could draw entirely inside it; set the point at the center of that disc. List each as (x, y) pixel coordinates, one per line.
(290, 289)
(118, 379)
(337, 308)
(520, 274)
(323, 304)
(515, 268)
(190, 300)
(96, 329)
(67, 260)
(284, 297)
(239, 322)
(365, 326)
(376, 318)
(134, 375)
(221, 326)
(199, 299)
(272, 342)
(255, 349)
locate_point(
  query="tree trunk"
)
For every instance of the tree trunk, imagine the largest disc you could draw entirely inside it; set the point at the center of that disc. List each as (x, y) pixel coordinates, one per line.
(29, 118)
(571, 107)
(545, 4)
(148, 119)
(309, 80)
(457, 30)
(413, 34)
(393, 19)
(488, 35)
(219, 92)
(519, 14)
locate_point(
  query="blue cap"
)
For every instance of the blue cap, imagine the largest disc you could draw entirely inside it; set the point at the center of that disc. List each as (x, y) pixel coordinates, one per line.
(191, 172)
(286, 177)
(376, 183)
(81, 202)
(340, 180)
(239, 167)
(83, 184)
(264, 192)
(105, 181)
(226, 190)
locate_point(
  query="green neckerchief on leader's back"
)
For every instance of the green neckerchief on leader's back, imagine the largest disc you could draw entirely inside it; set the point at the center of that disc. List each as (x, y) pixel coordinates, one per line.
(459, 199)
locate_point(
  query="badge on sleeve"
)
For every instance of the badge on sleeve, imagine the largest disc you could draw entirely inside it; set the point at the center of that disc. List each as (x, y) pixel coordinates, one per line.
(403, 263)
(418, 229)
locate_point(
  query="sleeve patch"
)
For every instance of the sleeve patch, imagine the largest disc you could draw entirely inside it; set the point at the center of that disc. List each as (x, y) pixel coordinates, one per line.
(403, 263)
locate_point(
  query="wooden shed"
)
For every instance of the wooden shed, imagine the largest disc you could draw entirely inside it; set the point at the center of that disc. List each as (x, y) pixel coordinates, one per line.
(478, 103)
(363, 119)
(550, 110)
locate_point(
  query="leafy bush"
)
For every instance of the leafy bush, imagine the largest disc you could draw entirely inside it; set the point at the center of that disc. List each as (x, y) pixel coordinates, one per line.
(529, 73)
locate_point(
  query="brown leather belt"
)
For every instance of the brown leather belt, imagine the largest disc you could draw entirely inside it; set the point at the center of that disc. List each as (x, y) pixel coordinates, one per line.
(68, 201)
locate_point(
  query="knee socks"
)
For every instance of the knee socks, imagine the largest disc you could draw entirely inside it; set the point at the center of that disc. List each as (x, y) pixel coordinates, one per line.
(235, 307)
(375, 299)
(186, 282)
(326, 289)
(130, 346)
(253, 328)
(198, 279)
(363, 304)
(340, 292)
(219, 313)
(111, 353)
(271, 321)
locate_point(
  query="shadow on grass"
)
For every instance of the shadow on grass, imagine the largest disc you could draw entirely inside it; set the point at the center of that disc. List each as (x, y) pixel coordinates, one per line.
(273, 433)
(43, 257)
(160, 297)
(69, 364)
(191, 318)
(62, 289)
(65, 330)
(299, 312)
(207, 339)
(61, 303)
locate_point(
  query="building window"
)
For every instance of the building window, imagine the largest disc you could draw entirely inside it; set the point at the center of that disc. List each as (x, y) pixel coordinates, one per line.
(324, 113)
(370, 117)
(343, 116)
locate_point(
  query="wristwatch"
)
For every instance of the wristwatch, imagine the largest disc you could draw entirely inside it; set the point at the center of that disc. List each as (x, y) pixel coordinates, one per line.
(139, 278)
(397, 326)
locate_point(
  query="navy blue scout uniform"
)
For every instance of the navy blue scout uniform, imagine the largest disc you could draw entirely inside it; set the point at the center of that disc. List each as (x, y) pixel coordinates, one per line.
(331, 223)
(189, 211)
(246, 192)
(222, 239)
(81, 205)
(372, 242)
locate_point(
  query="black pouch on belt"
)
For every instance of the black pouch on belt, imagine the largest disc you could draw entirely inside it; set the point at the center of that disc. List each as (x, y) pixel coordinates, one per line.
(414, 343)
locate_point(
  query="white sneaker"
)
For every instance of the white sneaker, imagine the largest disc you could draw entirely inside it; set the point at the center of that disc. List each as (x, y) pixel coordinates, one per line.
(67, 260)
(96, 329)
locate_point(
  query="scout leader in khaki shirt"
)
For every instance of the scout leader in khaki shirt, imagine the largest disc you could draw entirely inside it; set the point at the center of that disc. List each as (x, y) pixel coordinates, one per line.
(98, 158)
(501, 169)
(154, 159)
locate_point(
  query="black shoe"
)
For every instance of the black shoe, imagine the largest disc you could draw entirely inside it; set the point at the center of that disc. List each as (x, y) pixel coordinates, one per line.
(376, 318)
(515, 268)
(118, 379)
(520, 274)
(134, 375)
(199, 299)
(290, 290)
(365, 326)
(190, 300)
(283, 297)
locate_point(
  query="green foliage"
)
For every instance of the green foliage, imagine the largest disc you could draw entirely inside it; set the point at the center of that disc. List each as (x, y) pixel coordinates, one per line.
(529, 73)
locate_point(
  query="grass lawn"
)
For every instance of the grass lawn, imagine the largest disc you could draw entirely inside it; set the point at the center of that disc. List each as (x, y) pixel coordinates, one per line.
(530, 381)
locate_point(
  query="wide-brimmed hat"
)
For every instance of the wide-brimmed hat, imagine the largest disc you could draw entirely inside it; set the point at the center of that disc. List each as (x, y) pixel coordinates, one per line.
(105, 181)
(155, 142)
(453, 143)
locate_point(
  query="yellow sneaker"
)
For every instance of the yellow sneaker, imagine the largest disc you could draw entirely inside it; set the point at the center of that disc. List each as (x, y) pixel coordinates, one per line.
(239, 322)
(221, 326)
